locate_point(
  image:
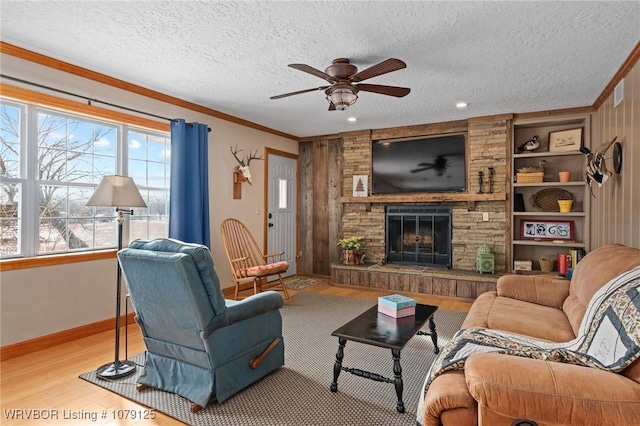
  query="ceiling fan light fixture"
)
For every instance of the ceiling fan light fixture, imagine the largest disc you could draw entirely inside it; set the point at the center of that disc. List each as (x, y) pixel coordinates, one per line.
(342, 96)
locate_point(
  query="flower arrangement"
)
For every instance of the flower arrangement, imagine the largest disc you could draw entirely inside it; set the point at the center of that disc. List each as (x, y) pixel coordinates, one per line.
(351, 253)
(351, 243)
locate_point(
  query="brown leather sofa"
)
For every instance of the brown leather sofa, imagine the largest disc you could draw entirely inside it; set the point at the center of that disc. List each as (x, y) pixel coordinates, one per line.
(497, 389)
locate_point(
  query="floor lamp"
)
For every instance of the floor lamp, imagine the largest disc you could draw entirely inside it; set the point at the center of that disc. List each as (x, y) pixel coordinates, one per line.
(119, 192)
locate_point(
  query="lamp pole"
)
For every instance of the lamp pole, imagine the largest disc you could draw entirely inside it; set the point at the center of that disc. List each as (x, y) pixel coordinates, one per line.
(117, 191)
(118, 369)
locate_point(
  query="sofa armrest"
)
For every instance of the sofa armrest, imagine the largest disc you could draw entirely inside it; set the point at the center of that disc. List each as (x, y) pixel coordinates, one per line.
(541, 290)
(448, 396)
(237, 311)
(551, 392)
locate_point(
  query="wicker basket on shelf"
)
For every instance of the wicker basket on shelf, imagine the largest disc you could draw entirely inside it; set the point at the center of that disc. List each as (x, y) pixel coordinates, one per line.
(547, 199)
(546, 263)
(529, 177)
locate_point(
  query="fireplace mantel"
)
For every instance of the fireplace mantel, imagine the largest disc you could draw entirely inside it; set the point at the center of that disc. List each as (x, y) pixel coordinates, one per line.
(426, 198)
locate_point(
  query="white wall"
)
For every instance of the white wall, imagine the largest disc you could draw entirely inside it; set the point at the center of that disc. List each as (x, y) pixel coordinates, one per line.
(40, 301)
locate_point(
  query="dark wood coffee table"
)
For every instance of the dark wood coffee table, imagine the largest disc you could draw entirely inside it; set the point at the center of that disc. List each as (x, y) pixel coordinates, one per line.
(373, 328)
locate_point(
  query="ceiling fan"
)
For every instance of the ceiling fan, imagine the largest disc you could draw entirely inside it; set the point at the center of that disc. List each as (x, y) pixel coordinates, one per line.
(345, 81)
(439, 166)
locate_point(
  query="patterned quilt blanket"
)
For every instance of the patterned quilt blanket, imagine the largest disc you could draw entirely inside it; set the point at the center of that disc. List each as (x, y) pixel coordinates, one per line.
(608, 337)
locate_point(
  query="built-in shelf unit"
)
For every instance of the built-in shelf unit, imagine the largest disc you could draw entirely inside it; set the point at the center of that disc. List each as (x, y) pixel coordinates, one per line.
(523, 248)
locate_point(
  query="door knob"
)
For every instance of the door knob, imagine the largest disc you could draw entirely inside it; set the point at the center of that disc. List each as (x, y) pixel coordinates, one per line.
(270, 225)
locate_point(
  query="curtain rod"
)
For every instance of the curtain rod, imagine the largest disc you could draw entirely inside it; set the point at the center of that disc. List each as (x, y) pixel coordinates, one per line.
(90, 100)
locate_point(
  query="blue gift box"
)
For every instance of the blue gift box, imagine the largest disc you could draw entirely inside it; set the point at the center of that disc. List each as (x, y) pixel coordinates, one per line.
(396, 301)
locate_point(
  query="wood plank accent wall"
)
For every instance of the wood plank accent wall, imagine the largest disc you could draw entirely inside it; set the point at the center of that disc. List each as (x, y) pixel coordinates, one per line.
(319, 190)
(615, 210)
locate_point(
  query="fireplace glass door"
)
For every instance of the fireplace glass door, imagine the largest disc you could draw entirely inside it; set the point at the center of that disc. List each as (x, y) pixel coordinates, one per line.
(419, 235)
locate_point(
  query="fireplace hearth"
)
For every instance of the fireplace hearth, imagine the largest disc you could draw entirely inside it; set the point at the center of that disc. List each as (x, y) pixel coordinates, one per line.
(418, 235)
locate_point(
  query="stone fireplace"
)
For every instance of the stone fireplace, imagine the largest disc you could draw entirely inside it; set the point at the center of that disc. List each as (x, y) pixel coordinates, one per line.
(418, 235)
(487, 141)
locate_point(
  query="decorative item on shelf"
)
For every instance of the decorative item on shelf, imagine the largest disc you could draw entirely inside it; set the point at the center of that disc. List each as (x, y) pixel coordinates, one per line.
(522, 265)
(485, 260)
(352, 250)
(576, 256)
(530, 145)
(565, 140)
(531, 174)
(518, 202)
(547, 199)
(492, 173)
(597, 166)
(547, 230)
(242, 172)
(565, 206)
(564, 176)
(562, 263)
(480, 181)
(547, 263)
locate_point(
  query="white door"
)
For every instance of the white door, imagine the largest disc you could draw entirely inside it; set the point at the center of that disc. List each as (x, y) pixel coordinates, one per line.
(281, 211)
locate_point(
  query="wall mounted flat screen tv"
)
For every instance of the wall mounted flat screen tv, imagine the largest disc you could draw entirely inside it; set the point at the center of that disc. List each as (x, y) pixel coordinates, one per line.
(426, 164)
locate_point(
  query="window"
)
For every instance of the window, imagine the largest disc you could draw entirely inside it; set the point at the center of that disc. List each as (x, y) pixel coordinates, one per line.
(50, 164)
(11, 133)
(282, 193)
(149, 161)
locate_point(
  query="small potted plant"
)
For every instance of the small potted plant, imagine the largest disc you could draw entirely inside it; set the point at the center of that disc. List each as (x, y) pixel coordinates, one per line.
(352, 250)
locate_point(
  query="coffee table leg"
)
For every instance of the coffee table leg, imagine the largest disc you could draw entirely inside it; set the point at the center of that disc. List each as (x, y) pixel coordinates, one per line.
(337, 367)
(397, 371)
(434, 335)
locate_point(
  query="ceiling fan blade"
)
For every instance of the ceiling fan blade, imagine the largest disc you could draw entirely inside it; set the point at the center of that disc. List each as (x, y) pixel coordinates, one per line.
(396, 91)
(382, 68)
(298, 92)
(421, 169)
(313, 71)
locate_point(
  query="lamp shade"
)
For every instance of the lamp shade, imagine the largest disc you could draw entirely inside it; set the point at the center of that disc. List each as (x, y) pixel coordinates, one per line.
(116, 191)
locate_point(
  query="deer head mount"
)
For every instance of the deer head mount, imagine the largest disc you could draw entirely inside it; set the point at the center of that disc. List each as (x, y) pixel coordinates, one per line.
(243, 167)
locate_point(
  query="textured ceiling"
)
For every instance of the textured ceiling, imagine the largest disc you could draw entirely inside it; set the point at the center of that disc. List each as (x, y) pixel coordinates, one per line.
(501, 57)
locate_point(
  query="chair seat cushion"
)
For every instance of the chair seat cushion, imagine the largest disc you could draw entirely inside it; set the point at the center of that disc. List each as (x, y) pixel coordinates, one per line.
(268, 269)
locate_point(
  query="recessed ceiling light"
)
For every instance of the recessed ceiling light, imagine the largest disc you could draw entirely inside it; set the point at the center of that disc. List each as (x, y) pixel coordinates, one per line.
(352, 119)
(462, 105)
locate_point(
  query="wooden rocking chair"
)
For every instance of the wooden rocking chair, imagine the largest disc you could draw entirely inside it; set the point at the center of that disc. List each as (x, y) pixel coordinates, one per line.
(248, 264)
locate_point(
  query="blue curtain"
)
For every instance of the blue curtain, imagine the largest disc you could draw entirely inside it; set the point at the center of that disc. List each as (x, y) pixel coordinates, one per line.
(189, 193)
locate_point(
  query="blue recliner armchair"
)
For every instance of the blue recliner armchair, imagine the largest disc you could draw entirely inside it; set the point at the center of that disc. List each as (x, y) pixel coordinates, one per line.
(199, 345)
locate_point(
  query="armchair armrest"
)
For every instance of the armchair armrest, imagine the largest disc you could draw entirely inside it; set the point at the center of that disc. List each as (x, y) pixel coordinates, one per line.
(267, 256)
(241, 310)
(541, 290)
(551, 392)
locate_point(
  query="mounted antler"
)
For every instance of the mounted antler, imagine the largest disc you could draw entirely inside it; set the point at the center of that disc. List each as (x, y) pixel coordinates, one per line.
(242, 173)
(253, 156)
(234, 154)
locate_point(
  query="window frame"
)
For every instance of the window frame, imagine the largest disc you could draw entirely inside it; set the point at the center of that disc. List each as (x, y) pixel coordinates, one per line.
(30, 212)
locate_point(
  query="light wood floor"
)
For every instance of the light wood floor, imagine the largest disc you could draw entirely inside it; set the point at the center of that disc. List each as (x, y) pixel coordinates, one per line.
(47, 380)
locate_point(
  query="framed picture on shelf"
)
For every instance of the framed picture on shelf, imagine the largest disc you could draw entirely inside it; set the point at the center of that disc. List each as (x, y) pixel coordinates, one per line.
(565, 140)
(547, 230)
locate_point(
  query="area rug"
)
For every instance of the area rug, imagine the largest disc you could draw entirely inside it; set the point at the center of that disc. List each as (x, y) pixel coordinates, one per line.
(298, 282)
(298, 393)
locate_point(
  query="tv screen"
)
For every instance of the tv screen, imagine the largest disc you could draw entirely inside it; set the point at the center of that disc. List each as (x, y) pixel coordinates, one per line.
(427, 164)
